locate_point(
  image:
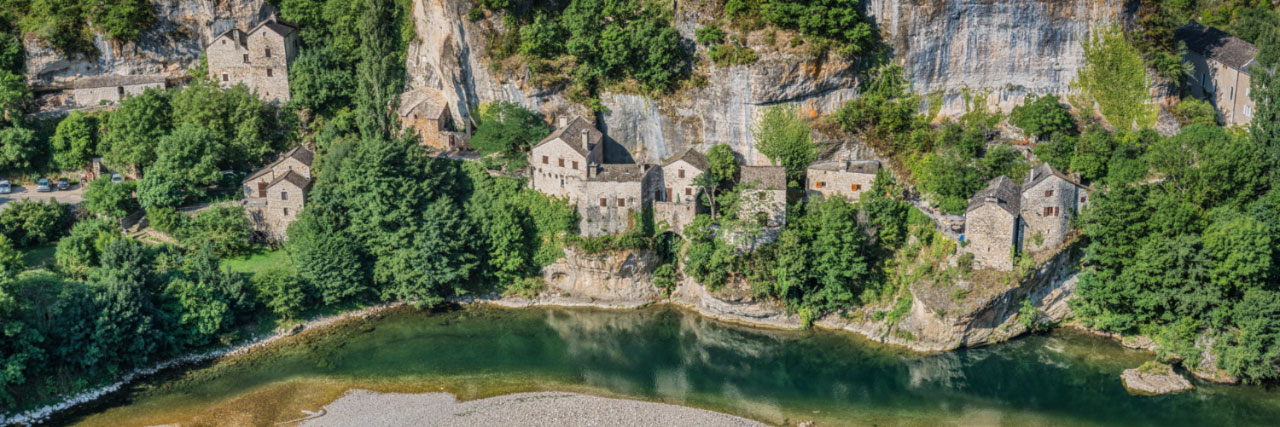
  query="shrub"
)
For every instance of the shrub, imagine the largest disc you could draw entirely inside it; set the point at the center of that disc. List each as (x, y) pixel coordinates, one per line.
(109, 199)
(29, 223)
(281, 291)
(1042, 116)
(225, 229)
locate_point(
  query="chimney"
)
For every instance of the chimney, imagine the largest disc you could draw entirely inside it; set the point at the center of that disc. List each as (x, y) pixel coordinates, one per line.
(562, 121)
(991, 200)
(586, 140)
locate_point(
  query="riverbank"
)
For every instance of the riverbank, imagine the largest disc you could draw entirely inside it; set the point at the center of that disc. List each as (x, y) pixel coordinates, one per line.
(367, 408)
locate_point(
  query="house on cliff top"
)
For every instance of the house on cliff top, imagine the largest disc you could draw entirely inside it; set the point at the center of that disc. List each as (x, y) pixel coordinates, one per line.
(258, 58)
(1006, 218)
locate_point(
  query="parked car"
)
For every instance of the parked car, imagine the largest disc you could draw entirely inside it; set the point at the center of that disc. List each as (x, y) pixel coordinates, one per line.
(5, 188)
(63, 184)
(44, 185)
(116, 178)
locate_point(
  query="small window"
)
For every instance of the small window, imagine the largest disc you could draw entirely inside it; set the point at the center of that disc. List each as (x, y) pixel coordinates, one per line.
(575, 165)
(688, 191)
(224, 42)
(1048, 211)
(268, 52)
(286, 211)
(856, 187)
(268, 72)
(246, 58)
(1248, 112)
(1083, 198)
(562, 162)
(604, 202)
(680, 173)
(284, 195)
(120, 91)
(1232, 94)
(1048, 193)
(544, 160)
(819, 184)
(622, 202)
(262, 189)
(224, 77)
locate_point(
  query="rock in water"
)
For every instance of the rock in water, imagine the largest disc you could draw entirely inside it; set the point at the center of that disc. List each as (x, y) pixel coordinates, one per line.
(1154, 379)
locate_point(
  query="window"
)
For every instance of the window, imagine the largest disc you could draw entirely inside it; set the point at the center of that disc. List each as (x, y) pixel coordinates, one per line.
(224, 77)
(667, 195)
(1232, 94)
(1048, 211)
(268, 72)
(856, 187)
(688, 191)
(286, 211)
(120, 91)
(268, 52)
(262, 189)
(604, 202)
(561, 162)
(246, 58)
(1247, 91)
(680, 173)
(544, 160)
(1082, 199)
(1248, 112)
(622, 203)
(575, 165)
(818, 184)
(224, 42)
(284, 195)
(1048, 193)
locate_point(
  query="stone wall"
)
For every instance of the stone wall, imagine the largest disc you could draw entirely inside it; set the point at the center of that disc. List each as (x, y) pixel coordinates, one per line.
(88, 97)
(232, 61)
(272, 215)
(849, 185)
(611, 207)
(558, 170)
(1226, 88)
(1051, 228)
(771, 204)
(990, 231)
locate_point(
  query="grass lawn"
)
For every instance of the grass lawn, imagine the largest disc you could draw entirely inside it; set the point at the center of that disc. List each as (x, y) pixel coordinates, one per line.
(260, 260)
(39, 256)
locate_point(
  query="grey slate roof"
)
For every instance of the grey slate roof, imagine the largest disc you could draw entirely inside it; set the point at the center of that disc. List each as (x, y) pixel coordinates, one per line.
(767, 177)
(293, 178)
(572, 134)
(427, 103)
(1217, 44)
(618, 173)
(281, 28)
(869, 167)
(301, 153)
(1043, 172)
(694, 158)
(113, 80)
(1007, 194)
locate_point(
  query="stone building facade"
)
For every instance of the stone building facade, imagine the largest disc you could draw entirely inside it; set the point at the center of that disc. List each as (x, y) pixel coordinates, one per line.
(427, 113)
(258, 58)
(1221, 75)
(1006, 218)
(91, 91)
(675, 196)
(848, 179)
(614, 196)
(766, 197)
(558, 165)
(275, 194)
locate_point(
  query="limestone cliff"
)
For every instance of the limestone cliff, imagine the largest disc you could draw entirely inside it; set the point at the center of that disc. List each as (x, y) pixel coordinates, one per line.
(1009, 48)
(168, 48)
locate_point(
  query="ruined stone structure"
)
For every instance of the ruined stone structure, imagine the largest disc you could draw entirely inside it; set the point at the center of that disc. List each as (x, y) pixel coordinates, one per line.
(676, 195)
(275, 194)
(259, 58)
(846, 179)
(766, 197)
(558, 164)
(427, 113)
(1221, 74)
(1006, 218)
(91, 91)
(614, 196)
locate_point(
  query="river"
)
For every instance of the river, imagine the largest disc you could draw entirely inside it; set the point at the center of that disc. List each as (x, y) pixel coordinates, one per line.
(668, 355)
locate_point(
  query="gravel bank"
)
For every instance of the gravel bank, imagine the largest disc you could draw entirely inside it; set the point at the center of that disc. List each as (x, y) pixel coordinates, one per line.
(367, 408)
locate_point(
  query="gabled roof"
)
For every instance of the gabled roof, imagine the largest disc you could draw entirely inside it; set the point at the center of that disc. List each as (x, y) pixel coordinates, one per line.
(429, 103)
(693, 158)
(302, 154)
(572, 135)
(293, 178)
(1006, 193)
(767, 177)
(270, 24)
(113, 80)
(1043, 172)
(869, 167)
(1217, 44)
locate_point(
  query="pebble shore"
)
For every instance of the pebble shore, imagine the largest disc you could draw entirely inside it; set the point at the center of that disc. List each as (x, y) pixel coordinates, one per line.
(367, 408)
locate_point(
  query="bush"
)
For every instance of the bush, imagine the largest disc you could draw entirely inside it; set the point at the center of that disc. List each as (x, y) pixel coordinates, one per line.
(79, 251)
(29, 223)
(709, 35)
(1042, 116)
(225, 229)
(166, 219)
(281, 291)
(109, 199)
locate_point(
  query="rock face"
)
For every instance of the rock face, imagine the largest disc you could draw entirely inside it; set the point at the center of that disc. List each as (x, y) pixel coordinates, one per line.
(1165, 381)
(622, 279)
(1009, 48)
(168, 48)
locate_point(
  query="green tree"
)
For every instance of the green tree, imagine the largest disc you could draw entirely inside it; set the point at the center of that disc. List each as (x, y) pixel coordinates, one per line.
(1115, 76)
(18, 149)
(1042, 116)
(73, 142)
(80, 250)
(783, 137)
(10, 259)
(508, 130)
(110, 199)
(187, 158)
(224, 229)
(320, 80)
(839, 256)
(122, 20)
(243, 127)
(1191, 111)
(130, 133)
(281, 291)
(840, 21)
(29, 223)
(1265, 92)
(14, 94)
(379, 75)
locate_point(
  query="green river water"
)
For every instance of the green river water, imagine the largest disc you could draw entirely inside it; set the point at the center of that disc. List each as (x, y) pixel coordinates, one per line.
(667, 355)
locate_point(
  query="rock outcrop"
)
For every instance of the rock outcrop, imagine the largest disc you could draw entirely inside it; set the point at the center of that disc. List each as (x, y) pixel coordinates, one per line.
(1154, 379)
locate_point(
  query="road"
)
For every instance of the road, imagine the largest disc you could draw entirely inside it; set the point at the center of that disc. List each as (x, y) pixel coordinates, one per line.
(74, 195)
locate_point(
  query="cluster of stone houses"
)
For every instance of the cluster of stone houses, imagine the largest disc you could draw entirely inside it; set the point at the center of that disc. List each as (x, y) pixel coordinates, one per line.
(258, 57)
(1221, 75)
(1006, 217)
(275, 194)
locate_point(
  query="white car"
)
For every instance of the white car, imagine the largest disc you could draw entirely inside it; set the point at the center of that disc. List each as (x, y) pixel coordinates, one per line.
(5, 188)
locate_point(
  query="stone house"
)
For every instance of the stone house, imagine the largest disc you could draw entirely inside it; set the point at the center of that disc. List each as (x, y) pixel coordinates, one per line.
(558, 164)
(848, 179)
(91, 91)
(427, 113)
(766, 197)
(991, 224)
(1049, 201)
(275, 194)
(1005, 218)
(259, 58)
(1221, 73)
(614, 196)
(675, 195)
